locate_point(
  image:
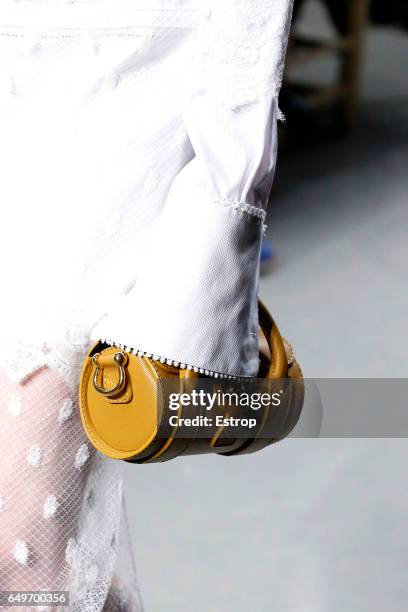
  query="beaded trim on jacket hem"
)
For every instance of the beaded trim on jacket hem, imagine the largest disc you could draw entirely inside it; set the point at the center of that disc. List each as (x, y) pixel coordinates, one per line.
(171, 362)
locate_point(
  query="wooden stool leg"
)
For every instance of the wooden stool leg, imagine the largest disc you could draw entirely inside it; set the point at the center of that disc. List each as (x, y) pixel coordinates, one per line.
(351, 64)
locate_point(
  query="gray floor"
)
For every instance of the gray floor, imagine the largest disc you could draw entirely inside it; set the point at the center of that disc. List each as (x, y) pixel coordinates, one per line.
(309, 525)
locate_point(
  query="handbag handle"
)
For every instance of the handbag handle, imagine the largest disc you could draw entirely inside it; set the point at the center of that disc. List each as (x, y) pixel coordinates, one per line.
(279, 363)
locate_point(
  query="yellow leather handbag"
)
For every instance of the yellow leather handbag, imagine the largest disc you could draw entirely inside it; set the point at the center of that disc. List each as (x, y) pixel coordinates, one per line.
(124, 403)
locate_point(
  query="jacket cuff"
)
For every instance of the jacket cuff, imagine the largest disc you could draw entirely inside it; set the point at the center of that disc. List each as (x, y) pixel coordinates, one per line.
(195, 304)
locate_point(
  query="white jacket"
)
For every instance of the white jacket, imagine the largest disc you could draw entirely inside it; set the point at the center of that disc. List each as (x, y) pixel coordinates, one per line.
(137, 150)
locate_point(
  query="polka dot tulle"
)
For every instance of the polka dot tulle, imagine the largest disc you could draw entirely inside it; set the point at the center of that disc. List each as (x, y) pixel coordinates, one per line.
(62, 518)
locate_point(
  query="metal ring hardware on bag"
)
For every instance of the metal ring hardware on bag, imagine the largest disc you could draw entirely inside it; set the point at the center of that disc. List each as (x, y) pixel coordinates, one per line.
(120, 360)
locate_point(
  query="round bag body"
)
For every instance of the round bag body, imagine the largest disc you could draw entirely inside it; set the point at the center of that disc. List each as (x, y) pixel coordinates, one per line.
(127, 414)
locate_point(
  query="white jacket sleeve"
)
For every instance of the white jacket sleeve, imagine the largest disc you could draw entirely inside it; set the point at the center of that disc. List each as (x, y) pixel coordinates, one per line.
(196, 303)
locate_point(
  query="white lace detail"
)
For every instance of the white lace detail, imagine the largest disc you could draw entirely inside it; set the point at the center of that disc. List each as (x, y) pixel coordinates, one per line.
(241, 47)
(63, 351)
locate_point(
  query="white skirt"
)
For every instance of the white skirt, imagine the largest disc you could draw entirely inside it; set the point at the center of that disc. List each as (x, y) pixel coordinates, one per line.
(71, 164)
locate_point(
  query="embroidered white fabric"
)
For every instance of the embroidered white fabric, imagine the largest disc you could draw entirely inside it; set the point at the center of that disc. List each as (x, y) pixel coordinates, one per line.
(137, 154)
(240, 49)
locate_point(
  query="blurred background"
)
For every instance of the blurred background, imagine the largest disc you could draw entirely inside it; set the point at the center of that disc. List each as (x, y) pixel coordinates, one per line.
(338, 216)
(312, 525)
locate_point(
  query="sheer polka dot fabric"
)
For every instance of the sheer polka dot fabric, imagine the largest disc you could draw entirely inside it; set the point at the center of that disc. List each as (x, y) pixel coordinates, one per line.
(62, 520)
